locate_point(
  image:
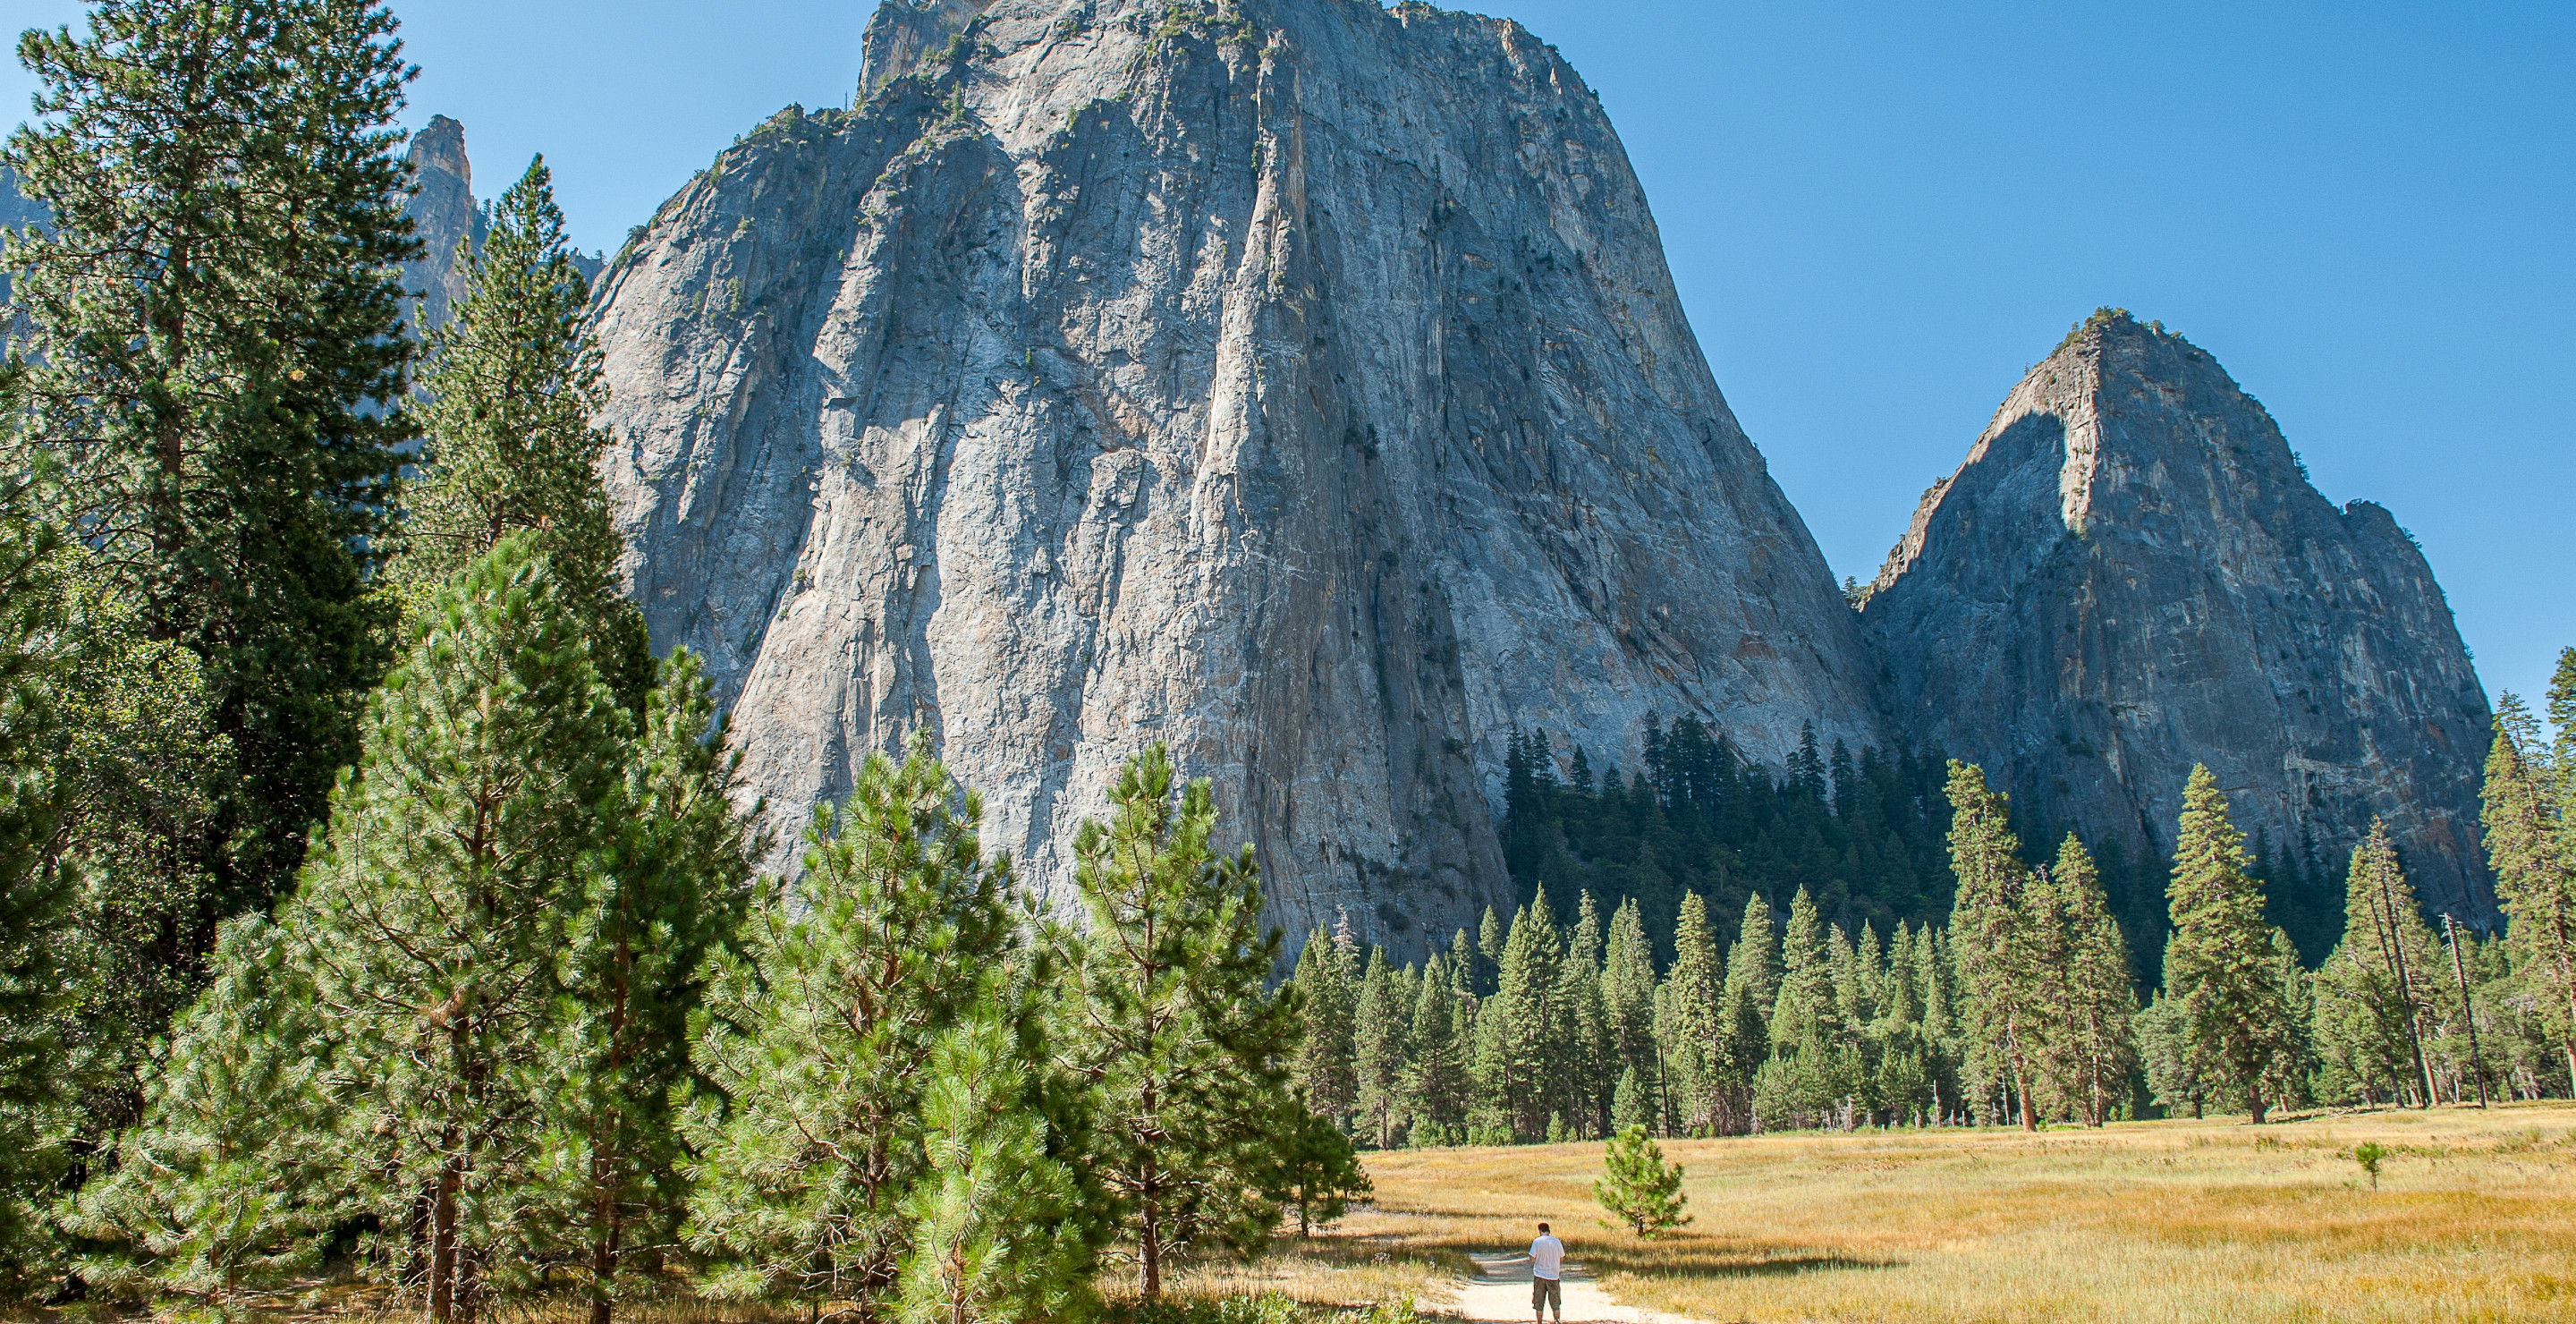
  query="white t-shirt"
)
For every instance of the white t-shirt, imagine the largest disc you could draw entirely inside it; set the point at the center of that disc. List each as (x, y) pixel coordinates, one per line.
(1546, 1255)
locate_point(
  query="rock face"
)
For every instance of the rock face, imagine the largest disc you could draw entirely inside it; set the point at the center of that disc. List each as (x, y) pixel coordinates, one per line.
(1294, 381)
(443, 216)
(444, 213)
(2131, 574)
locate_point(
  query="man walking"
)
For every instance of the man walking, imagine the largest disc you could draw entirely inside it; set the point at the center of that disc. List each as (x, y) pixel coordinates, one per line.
(1547, 1261)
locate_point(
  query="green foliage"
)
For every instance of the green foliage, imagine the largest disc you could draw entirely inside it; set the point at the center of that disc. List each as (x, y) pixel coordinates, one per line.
(37, 906)
(2531, 842)
(1522, 1030)
(512, 384)
(2375, 991)
(2370, 1154)
(216, 313)
(821, 1043)
(240, 1171)
(2090, 1045)
(1862, 833)
(632, 974)
(1318, 1173)
(1993, 934)
(1436, 1080)
(2234, 1012)
(1185, 1051)
(998, 1234)
(434, 918)
(1381, 1034)
(1638, 1188)
(1326, 1057)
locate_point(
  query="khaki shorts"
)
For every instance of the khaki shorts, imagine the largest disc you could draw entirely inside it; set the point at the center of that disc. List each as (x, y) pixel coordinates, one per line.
(1544, 1293)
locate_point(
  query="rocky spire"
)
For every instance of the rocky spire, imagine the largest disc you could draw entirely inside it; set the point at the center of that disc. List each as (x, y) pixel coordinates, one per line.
(2131, 574)
(443, 214)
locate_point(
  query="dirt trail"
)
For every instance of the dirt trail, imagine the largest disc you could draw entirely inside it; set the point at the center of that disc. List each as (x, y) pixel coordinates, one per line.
(1500, 1292)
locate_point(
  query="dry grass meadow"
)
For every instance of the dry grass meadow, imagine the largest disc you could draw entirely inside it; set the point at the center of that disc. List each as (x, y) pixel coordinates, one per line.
(2474, 1220)
(2155, 1222)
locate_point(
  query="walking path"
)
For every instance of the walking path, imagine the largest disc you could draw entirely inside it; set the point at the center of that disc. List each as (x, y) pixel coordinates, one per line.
(1500, 1292)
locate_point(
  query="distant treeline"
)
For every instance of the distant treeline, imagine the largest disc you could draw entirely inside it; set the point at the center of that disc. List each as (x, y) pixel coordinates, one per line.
(1975, 984)
(1863, 835)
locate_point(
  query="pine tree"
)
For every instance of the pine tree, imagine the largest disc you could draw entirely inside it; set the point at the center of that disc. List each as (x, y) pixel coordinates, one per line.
(819, 1040)
(2220, 963)
(2369, 1025)
(239, 1171)
(2531, 842)
(1686, 1026)
(1382, 1046)
(1326, 1067)
(1520, 1032)
(1743, 1023)
(1805, 1002)
(1631, 1103)
(1438, 1087)
(2099, 1009)
(37, 903)
(432, 921)
(1182, 1044)
(1490, 941)
(1628, 998)
(996, 1233)
(512, 384)
(1587, 1069)
(1318, 1172)
(217, 315)
(141, 772)
(635, 973)
(1991, 931)
(1639, 1188)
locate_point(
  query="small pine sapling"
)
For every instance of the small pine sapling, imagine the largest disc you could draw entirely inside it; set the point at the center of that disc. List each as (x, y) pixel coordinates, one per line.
(1639, 1189)
(2370, 1154)
(1319, 1172)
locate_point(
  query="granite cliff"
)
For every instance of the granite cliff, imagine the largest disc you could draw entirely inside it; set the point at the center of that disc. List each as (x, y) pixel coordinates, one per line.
(2131, 573)
(1296, 381)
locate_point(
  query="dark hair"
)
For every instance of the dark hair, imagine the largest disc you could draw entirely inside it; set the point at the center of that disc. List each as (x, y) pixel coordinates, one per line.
(1542, 1227)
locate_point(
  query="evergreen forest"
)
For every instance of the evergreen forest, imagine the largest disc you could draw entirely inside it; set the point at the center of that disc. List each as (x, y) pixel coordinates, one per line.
(378, 901)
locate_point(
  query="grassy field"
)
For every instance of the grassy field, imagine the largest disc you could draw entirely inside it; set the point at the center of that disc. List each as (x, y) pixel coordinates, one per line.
(2475, 1219)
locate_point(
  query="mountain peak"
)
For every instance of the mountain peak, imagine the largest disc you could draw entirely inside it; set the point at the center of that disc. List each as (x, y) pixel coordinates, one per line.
(2130, 573)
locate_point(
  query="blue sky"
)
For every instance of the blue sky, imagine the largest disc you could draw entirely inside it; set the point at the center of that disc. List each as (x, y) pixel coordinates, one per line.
(1879, 213)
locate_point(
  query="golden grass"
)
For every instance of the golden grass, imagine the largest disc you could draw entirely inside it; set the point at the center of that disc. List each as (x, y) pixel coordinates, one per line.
(2475, 1220)
(1349, 1267)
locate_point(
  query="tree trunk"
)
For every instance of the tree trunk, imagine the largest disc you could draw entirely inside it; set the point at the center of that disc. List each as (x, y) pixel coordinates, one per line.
(603, 1250)
(442, 1241)
(1149, 1251)
(2255, 1098)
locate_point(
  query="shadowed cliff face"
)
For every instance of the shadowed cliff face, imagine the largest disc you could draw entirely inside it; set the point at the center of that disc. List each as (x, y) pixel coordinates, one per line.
(2131, 574)
(1300, 383)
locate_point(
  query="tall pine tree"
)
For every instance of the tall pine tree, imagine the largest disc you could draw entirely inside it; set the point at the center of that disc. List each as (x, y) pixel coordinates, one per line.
(512, 384)
(2221, 968)
(635, 972)
(1186, 1052)
(821, 1041)
(1742, 1026)
(1992, 935)
(1326, 1058)
(1381, 1037)
(2531, 842)
(217, 320)
(2369, 1024)
(1686, 1025)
